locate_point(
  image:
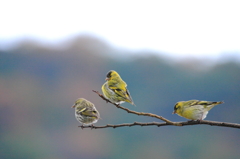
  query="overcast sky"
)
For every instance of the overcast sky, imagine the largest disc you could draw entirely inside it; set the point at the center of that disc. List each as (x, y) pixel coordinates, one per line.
(179, 28)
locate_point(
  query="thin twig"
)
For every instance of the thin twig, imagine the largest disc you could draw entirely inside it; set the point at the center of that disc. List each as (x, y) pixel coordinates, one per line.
(184, 123)
(139, 113)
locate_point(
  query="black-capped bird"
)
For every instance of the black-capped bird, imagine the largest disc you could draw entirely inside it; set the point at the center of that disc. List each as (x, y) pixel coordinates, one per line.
(115, 89)
(194, 109)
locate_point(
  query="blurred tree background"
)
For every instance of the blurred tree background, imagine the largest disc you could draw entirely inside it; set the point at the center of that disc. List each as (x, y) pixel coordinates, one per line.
(40, 83)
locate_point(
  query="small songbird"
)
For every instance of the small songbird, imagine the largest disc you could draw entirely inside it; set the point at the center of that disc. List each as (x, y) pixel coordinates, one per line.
(194, 109)
(85, 112)
(115, 89)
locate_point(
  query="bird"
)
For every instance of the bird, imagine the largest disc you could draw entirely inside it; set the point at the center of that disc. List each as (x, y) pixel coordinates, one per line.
(194, 109)
(85, 112)
(115, 89)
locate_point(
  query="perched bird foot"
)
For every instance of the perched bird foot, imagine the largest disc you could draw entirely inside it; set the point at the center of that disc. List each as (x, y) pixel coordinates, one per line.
(200, 120)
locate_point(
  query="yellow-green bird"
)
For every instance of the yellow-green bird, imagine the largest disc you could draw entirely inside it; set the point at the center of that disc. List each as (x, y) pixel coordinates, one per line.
(194, 109)
(85, 112)
(115, 89)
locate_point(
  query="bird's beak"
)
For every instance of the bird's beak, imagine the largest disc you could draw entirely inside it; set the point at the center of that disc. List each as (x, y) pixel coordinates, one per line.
(174, 112)
(107, 79)
(74, 106)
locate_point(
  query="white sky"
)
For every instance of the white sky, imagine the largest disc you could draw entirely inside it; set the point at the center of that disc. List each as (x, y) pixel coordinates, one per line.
(177, 27)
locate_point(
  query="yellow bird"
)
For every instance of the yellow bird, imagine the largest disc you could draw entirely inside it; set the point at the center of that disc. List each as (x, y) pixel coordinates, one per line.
(194, 109)
(115, 89)
(85, 112)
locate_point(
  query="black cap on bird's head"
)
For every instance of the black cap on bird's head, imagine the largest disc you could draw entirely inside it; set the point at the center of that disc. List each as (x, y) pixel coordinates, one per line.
(112, 74)
(109, 75)
(175, 108)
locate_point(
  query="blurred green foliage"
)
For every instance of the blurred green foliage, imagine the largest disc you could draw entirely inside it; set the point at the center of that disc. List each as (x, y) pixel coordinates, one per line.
(38, 86)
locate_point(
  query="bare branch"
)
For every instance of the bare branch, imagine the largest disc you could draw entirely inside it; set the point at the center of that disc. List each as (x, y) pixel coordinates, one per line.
(165, 123)
(139, 113)
(184, 123)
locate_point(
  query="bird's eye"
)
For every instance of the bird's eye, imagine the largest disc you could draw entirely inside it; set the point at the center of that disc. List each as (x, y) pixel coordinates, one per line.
(94, 112)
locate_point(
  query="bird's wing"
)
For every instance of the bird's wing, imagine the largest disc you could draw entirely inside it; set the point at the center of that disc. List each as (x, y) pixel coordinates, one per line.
(119, 92)
(129, 96)
(90, 112)
(204, 104)
(193, 102)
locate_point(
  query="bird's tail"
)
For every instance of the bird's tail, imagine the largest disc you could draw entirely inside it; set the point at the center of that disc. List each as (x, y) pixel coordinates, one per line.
(216, 103)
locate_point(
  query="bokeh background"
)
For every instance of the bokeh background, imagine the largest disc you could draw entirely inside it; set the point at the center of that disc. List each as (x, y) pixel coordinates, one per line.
(40, 79)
